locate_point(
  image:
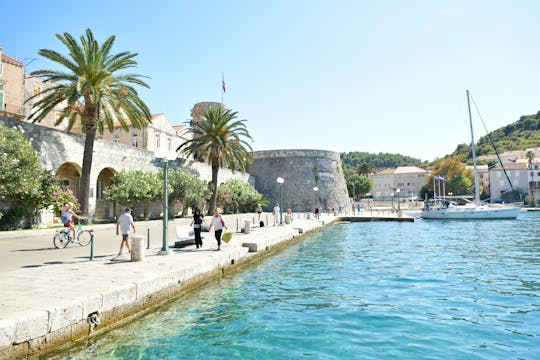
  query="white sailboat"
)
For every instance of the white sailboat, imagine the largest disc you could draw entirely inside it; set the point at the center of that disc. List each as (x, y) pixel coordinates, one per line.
(474, 210)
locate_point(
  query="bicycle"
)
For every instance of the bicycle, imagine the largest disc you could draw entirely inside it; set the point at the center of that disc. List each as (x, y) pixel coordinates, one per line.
(63, 237)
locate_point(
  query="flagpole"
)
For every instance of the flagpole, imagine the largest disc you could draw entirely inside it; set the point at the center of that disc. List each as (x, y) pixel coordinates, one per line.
(222, 88)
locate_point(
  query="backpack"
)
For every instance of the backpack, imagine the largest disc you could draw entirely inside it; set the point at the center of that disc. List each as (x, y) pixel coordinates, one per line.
(261, 223)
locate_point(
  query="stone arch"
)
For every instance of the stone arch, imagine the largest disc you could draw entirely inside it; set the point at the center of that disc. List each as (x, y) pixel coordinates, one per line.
(105, 209)
(69, 174)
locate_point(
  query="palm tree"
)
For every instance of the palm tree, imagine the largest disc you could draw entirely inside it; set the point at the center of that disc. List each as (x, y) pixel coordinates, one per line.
(91, 91)
(530, 157)
(219, 138)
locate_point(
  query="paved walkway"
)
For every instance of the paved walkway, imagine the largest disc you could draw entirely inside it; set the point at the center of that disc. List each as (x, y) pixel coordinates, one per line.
(47, 303)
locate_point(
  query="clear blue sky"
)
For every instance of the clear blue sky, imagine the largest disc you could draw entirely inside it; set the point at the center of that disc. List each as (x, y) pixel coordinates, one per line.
(375, 76)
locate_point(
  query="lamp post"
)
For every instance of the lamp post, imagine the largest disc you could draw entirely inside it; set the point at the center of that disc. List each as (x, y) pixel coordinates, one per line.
(398, 208)
(315, 189)
(280, 181)
(165, 247)
(392, 195)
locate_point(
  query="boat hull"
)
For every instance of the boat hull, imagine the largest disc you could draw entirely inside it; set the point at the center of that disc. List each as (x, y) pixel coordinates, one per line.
(471, 213)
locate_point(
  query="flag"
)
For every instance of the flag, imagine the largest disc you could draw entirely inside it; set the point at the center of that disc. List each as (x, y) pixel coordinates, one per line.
(223, 83)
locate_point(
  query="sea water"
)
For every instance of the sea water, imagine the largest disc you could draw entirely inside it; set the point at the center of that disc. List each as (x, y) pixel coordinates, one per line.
(432, 289)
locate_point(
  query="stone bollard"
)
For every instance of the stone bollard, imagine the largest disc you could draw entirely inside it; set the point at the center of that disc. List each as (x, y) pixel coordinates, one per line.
(288, 219)
(308, 216)
(247, 226)
(137, 248)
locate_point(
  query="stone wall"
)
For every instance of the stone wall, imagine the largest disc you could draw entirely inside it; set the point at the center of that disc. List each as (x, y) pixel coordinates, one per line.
(302, 170)
(58, 148)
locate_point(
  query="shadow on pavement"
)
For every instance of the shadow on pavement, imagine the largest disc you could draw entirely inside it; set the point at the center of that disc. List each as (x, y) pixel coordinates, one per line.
(50, 248)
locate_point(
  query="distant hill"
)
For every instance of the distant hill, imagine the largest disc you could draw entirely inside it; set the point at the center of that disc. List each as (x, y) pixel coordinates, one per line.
(520, 135)
(378, 161)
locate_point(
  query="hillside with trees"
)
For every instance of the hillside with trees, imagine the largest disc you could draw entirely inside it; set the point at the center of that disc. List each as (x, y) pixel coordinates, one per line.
(378, 161)
(520, 135)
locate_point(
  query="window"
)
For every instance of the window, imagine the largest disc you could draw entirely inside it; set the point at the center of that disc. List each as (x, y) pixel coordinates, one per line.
(1, 67)
(134, 142)
(116, 139)
(1, 100)
(157, 142)
(169, 144)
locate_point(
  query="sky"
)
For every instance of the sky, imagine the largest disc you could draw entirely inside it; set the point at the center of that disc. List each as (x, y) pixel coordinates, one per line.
(370, 76)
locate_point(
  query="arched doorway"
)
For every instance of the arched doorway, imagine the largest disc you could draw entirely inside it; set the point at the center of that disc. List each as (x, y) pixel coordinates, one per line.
(69, 175)
(104, 208)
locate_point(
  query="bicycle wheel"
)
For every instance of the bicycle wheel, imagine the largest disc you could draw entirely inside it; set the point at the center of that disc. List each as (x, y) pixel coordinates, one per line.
(84, 238)
(60, 240)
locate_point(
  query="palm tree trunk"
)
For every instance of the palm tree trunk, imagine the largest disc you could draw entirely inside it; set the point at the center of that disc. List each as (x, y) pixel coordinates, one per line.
(84, 195)
(215, 170)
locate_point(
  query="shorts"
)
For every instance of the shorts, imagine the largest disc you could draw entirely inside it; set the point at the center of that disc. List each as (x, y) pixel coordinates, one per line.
(68, 223)
(125, 237)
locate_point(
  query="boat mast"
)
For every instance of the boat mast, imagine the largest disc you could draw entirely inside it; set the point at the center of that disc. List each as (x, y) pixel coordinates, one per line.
(476, 185)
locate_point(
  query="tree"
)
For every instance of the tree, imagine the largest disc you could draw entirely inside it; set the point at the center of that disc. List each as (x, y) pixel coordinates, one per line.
(187, 189)
(364, 169)
(219, 138)
(358, 185)
(237, 195)
(134, 188)
(21, 176)
(460, 185)
(92, 92)
(530, 157)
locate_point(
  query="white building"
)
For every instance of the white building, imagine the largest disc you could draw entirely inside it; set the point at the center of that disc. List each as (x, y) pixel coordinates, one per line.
(408, 179)
(517, 172)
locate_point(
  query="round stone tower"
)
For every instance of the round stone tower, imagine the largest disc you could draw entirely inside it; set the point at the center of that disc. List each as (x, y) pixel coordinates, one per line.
(302, 171)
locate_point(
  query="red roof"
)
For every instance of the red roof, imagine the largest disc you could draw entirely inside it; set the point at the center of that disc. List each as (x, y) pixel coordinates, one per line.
(11, 60)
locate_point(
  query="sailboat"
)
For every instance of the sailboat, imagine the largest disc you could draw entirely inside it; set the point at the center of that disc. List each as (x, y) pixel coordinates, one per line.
(474, 210)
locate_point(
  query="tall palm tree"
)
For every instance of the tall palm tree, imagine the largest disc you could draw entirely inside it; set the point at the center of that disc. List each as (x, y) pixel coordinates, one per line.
(530, 157)
(91, 91)
(219, 138)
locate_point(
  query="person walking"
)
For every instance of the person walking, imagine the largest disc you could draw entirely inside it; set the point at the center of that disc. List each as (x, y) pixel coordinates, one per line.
(259, 211)
(197, 221)
(218, 224)
(66, 215)
(125, 223)
(276, 212)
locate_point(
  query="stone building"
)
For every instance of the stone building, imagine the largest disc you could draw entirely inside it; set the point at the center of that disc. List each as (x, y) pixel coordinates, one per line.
(11, 85)
(408, 179)
(303, 171)
(518, 173)
(34, 86)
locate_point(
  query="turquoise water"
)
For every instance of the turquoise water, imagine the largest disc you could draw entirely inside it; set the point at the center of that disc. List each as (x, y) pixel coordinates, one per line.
(422, 290)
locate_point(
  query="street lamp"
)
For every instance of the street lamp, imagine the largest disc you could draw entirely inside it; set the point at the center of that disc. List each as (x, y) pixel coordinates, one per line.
(280, 181)
(315, 197)
(165, 246)
(392, 195)
(398, 208)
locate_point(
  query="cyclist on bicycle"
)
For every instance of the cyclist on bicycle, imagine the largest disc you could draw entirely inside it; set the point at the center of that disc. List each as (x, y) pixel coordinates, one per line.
(66, 215)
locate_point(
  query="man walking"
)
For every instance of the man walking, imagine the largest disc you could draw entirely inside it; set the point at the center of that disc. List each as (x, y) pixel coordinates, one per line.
(124, 223)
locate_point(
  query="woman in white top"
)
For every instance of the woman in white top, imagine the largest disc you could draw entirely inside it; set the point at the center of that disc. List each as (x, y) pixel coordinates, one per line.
(66, 216)
(218, 224)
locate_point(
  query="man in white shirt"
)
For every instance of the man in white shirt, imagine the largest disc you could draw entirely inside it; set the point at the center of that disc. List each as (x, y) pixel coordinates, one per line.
(125, 223)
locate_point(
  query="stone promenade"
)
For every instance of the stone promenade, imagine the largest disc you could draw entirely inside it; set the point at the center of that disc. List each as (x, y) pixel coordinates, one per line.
(43, 307)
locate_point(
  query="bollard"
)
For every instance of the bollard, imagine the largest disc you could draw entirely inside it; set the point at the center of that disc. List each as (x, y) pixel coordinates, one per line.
(288, 219)
(247, 226)
(137, 248)
(91, 246)
(254, 220)
(267, 223)
(236, 224)
(148, 238)
(308, 216)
